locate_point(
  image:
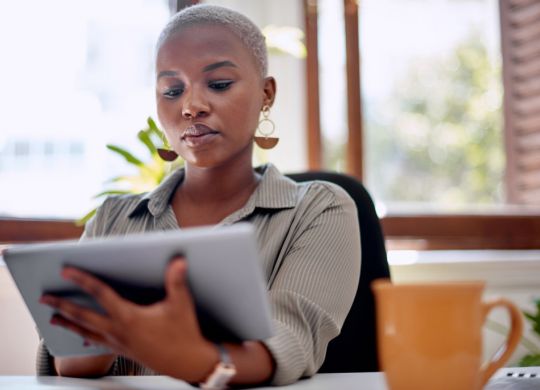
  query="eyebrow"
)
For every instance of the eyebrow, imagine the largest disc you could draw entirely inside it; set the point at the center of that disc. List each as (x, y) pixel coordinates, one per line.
(207, 68)
(167, 73)
(216, 65)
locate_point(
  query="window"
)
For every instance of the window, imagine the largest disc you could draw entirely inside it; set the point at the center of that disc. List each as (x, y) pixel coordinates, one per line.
(432, 101)
(434, 142)
(88, 66)
(75, 76)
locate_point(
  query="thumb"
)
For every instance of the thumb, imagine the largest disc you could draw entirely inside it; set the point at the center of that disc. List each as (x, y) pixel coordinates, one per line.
(176, 279)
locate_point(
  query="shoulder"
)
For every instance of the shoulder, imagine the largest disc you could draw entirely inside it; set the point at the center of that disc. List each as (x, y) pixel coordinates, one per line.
(326, 189)
(294, 189)
(113, 210)
(323, 194)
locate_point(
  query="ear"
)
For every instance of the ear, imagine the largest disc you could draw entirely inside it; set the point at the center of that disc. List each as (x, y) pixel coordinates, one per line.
(269, 90)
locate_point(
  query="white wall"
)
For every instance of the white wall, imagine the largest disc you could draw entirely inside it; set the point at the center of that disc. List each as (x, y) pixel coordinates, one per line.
(18, 336)
(511, 274)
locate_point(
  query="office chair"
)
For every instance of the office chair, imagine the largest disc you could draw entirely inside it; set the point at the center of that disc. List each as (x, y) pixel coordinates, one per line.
(355, 349)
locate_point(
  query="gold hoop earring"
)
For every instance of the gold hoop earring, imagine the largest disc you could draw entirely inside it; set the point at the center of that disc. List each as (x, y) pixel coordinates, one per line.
(166, 155)
(266, 128)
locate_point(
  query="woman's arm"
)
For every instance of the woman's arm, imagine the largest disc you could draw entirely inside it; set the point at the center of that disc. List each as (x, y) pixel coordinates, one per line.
(254, 363)
(315, 282)
(165, 336)
(84, 366)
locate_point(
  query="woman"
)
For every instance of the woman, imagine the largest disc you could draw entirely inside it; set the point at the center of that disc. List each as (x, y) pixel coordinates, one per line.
(211, 87)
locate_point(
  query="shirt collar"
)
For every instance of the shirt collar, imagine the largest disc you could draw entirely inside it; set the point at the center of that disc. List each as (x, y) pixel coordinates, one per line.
(157, 200)
(274, 191)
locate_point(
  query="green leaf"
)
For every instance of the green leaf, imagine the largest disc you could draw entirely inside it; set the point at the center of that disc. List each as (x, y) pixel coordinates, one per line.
(149, 173)
(152, 124)
(127, 155)
(530, 316)
(530, 361)
(534, 319)
(116, 179)
(147, 141)
(157, 132)
(503, 330)
(86, 218)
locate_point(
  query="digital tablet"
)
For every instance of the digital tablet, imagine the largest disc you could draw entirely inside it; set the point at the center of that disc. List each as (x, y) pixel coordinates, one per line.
(224, 276)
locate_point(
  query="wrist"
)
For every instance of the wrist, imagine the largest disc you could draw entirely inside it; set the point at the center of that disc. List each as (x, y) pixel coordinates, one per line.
(222, 373)
(204, 360)
(84, 366)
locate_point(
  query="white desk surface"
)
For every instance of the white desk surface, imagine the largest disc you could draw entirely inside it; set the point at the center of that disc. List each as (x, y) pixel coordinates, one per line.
(504, 379)
(356, 381)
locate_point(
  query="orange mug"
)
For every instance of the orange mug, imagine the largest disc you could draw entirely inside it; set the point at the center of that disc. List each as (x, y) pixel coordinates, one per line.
(430, 335)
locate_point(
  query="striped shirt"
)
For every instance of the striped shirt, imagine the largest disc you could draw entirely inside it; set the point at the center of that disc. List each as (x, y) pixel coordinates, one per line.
(309, 242)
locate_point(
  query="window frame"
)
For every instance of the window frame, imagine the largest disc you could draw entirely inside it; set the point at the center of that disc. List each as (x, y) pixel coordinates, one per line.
(413, 232)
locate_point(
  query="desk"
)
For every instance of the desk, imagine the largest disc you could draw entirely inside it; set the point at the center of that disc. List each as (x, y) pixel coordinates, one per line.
(504, 379)
(356, 381)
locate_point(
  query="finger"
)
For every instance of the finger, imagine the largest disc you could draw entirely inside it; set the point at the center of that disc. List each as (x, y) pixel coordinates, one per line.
(107, 298)
(176, 281)
(79, 315)
(86, 334)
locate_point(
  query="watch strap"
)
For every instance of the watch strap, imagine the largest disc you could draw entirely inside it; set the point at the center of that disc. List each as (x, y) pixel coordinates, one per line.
(222, 373)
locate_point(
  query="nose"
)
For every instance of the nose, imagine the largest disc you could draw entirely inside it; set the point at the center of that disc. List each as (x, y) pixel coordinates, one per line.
(194, 105)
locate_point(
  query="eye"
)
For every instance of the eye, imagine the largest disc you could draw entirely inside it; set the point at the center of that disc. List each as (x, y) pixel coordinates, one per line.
(220, 85)
(172, 93)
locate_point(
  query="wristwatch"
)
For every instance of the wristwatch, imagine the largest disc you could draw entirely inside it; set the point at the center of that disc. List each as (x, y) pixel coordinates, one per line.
(223, 372)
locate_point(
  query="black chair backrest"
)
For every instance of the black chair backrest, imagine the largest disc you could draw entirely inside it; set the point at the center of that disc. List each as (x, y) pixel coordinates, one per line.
(355, 349)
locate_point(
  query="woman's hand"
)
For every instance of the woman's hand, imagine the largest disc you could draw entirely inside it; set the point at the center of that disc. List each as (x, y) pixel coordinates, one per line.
(164, 336)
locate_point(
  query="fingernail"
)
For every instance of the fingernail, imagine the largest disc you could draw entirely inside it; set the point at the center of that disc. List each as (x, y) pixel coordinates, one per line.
(66, 273)
(45, 300)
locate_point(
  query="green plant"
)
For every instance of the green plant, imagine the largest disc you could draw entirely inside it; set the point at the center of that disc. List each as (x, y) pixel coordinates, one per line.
(533, 359)
(148, 174)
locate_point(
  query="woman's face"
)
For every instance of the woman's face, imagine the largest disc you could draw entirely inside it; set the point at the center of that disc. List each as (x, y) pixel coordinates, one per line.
(209, 95)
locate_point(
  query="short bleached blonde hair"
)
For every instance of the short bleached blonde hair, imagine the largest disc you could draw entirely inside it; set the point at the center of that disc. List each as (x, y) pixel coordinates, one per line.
(248, 33)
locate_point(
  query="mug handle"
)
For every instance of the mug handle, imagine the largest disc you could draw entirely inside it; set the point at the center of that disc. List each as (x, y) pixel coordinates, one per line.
(514, 336)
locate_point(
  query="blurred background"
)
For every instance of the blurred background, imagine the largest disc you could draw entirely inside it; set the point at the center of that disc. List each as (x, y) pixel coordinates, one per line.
(77, 75)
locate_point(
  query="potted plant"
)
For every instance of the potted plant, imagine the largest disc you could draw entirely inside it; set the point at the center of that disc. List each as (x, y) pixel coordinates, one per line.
(533, 358)
(148, 173)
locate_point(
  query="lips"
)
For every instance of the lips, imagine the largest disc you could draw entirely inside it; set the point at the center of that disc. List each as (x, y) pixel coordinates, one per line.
(197, 130)
(198, 135)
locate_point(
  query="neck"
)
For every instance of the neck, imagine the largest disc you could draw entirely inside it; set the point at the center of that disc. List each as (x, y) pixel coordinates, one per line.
(215, 185)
